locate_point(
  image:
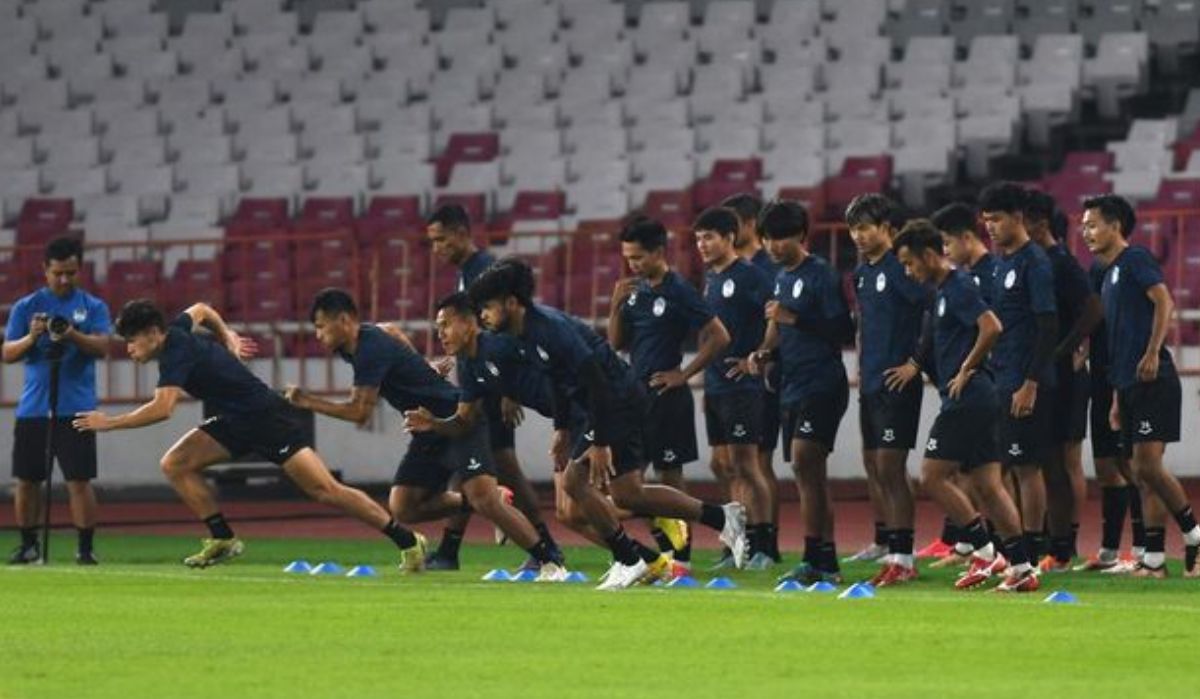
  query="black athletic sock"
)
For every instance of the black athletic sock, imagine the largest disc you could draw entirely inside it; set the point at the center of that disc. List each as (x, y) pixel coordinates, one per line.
(464, 507)
(1036, 544)
(684, 555)
(1016, 551)
(544, 532)
(218, 527)
(644, 552)
(1060, 548)
(993, 535)
(1114, 504)
(1137, 520)
(622, 547)
(976, 534)
(753, 543)
(451, 541)
(712, 516)
(951, 532)
(773, 542)
(404, 538)
(542, 552)
(661, 538)
(901, 542)
(812, 555)
(29, 537)
(1185, 519)
(1156, 539)
(1074, 539)
(881, 534)
(828, 557)
(87, 536)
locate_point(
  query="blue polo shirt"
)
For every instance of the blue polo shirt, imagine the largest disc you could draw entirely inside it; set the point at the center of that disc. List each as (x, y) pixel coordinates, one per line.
(811, 365)
(658, 319)
(1023, 289)
(956, 310)
(737, 294)
(404, 379)
(1129, 312)
(890, 305)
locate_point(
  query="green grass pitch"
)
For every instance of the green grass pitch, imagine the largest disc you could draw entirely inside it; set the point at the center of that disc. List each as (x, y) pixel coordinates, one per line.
(141, 625)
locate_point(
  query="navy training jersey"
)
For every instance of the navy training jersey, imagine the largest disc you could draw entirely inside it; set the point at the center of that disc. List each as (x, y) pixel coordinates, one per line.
(474, 266)
(404, 379)
(890, 307)
(763, 261)
(738, 295)
(208, 371)
(1023, 290)
(1098, 346)
(983, 272)
(811, 365)
(1129, 315)
(497, 369)
(956, 310)
(658, 319)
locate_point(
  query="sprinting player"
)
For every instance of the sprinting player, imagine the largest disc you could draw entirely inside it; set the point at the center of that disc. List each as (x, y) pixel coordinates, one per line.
(1147, 401)
(808, 325)
(890, 310)
(964, 436)
(1079, 311)
(249, 417)
(652, 314)
(750, 247)
(607, 453)
(736, 291)
(1023, 359)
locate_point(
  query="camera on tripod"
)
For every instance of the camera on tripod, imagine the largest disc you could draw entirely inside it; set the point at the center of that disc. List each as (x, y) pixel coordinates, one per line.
(58, 325)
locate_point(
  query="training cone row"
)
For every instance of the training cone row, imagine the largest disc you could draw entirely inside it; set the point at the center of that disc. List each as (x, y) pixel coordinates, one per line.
(329, 568)
(501, 575)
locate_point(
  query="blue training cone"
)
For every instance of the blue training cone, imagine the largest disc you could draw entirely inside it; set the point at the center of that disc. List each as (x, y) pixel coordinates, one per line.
(857, 591)
(525, 576)
(822, 586)
(497, 575)
(300, 566)
(326, 568)
(789, 586)
(684, 581)
(361, 572)
(1061, 597)
(576, 576)
(721, 584)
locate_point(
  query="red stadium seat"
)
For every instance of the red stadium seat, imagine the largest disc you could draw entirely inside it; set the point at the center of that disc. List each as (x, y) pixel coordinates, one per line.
(860, 175)
(813, 198)
(263, 300)
(130, 279)
(674, 208)
(42, 220)
(467, 148)
(255, 215)
(388, 216)
(319, 214)
(1090, 163)
(194, 281)
(538, 206)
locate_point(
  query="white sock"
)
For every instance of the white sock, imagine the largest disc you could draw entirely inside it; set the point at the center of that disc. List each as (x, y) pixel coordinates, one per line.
(1107, 555)
(987, 553)
(1138, 552)
(904, 559)
(1018, 569)
(1192, 538)
(1154, 559)
(964, 549)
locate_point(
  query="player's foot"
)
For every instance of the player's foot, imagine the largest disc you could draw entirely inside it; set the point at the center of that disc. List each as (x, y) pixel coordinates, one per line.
(86, 559)
(680, 569)
(436, 562)
(501, 537)
(1104, 560)
(412, 559)
(1141, 570)
(725, 562)
(551, 572)
(895, 574)
(733, 534)
(621, 576)
(1191, 566)
(871, 553)
(807, 574)
(658, 569)
(214, 551)
(953, 559)
(24, 555)
(936, 549)
(760, 561)
(980, 571)
(676, 531)
(1124, 566)
(1024, 581)
(1050, 564)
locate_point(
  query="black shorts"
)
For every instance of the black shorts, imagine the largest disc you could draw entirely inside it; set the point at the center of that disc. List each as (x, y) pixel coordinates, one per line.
(733, 418)
(501, 435)
(966, 435)
(770, 422)
(275, 435)
(889, 419)
(670, 432)
(1025, 441)
(1106, 442)
(1071, 397)
(1150, 412)
(627, 439)
(75, 451)
(432, 459)
(815, 419)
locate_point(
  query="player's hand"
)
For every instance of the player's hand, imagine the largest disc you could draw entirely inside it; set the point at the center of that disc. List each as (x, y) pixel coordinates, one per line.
(1114, 415)
(737, 368)
(38, 325)
(959, 382)
(756, 363)
(419, 420)
(1080, 356)
(1147, 369)
(92, 421)
(600, 467)
(560, 448)
(442, 365)
(511, 412)
(622, 290)
(898, 377)
(294, 395)
(241, 347)
(779, 313)
(1023, 400)
(666, 380)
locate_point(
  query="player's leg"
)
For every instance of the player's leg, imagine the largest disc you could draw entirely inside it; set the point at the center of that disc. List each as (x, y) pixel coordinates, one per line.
(670, 433)
(1163, 495)
(766, 467)
(809, 466)
(82, 498)
(756, 496)
(1002, 511)
(76, 454)
(892, 474)
(571, 515)
(29, 471)
(183, 465)
(483, 492)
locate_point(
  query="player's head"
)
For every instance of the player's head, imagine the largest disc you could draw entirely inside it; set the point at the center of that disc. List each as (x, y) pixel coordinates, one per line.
(334, 316)
(873, 220)
(143, 328)
(716, 232)
(957, 223)
(644, 246)
(783, 226)
(449, 231)
(456, 322)
(61, 262)
(503, 290)
(919, 248)
(746, 206)
(1002, 208)
(1039, 213)
(1108, 221)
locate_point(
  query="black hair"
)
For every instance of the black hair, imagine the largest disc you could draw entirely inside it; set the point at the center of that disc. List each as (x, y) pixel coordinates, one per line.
(1059, 225)
(955, 220)
(451, 217)
(331, 302)
(874, 210)
(719, 219)
(459, 303)
(645, 231)
(1114, 209)
(783, 218)
(510, 276)
(745, 205)
(138, 316)
(1039, 206)
(62, 249)
(1003, 197)
(920, 235)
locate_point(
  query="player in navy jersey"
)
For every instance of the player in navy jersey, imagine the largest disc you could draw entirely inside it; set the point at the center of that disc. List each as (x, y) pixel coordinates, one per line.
(1147, 401)
(736, 291)
(808, 325)
(958, 224)
(1023, 359)
(963, 438)
(449, 232)
(652, 314)
(891, 307)
(750, 247)
(248, 417)
(607, 455)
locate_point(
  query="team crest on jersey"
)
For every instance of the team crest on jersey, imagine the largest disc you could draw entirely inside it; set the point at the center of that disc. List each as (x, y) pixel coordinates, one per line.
(632, 299)
(492, 368)
(660, 306)
(797, 288)
(1116, 275)
(932, 445)
(79, 315)
(942, 304)
(1010, 279)
(977, 282)
(728, 288)
(881, 282)
(543, 354)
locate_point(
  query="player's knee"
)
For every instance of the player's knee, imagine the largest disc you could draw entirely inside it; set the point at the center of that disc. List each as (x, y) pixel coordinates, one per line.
(172, 465)
(575, 481)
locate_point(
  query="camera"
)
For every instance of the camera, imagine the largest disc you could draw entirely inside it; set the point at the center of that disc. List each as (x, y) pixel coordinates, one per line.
(59, 325)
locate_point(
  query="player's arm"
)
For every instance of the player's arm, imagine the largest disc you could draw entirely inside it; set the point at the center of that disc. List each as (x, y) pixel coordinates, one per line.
(158, 409)
(712, 340)
(395, 332)
(1090, 316)
(91, 344)
(1164, 306)
(989, 332)
(457, 425)
(357, 409)
(204, 315)
(22, 333)
(618, 335)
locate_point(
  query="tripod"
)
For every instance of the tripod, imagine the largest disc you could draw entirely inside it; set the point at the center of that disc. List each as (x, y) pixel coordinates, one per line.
(54, 354)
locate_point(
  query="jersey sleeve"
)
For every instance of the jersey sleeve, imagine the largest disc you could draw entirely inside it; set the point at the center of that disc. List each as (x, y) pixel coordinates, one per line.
(18, 321)
(966, 304)
(178, 358)
(99, 321)
(1040, 278)
(370, 365)
(469, 387)
(695, 310)
(833, 298)
(184, 322)
(1144, 271)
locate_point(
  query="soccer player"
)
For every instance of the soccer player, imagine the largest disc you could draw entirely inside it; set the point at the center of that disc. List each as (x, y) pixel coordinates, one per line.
(29, 338)
(966, 250)
(651, 316)
(1023, 359)
(450, 437)
(449, 232)
(1147, 401)
(808, 323)
(249, 417)
(964, 436)
(607, 453)
(890, 310)
(750, 247)
(737, 291)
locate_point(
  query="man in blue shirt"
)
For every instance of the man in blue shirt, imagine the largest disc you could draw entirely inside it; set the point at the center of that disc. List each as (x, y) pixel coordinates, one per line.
(808, 324)
(736, 291)
(652, 314)
(963, 438)
(1023, 298)
(1146, 407)
(28, 338)
(249, 418)
(891, 307)
(608, 455)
